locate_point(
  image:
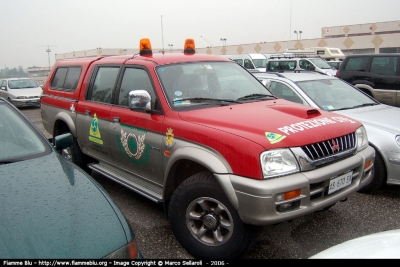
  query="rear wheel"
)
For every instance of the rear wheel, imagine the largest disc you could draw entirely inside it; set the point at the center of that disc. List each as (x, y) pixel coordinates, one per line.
(204, 221)
(378, 176)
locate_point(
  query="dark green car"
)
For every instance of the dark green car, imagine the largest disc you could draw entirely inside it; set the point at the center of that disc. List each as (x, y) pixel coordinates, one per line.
(50, 208)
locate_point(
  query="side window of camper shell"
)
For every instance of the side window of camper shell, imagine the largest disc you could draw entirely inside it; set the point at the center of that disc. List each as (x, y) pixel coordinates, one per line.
(66, 79)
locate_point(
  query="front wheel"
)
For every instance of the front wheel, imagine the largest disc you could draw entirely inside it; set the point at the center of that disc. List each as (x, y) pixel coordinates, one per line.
(204, 221)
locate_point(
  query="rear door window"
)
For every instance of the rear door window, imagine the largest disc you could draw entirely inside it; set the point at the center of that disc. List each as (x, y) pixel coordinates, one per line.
(104, 84)
(357, 64)
(384, 65)
(66, 79)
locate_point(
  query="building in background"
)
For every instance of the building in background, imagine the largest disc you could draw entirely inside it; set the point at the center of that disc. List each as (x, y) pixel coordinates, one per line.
(379, 37)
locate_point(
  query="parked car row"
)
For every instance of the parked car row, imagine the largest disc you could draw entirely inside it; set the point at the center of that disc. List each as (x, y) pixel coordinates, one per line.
(329, 144)
(378, 75)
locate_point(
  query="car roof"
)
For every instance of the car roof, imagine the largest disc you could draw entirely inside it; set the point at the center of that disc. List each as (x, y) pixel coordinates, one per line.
(375, 55)
(295, 77)
(22, 78)
(157, 58)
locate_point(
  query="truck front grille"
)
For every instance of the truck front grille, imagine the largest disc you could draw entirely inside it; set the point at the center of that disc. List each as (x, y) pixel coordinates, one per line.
(330, 147)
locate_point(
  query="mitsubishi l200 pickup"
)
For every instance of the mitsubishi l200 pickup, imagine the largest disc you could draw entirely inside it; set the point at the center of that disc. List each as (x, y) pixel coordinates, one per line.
(202, 136)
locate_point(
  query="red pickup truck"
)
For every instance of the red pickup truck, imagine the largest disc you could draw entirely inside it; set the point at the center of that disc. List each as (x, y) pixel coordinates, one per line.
(201, 135)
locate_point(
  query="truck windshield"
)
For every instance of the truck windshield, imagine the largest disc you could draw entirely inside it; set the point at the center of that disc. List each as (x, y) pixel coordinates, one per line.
(207, 80)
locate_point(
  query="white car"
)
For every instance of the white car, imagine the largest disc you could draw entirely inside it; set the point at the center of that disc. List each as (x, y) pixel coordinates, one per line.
(333, 94)
(21, 92)
(383, 245)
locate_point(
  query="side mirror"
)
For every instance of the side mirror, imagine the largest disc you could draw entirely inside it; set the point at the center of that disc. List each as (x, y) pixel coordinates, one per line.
(63, 141)
(139, 100)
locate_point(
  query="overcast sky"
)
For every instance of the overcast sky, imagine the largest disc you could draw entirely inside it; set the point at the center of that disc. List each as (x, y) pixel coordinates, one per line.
(29, 27)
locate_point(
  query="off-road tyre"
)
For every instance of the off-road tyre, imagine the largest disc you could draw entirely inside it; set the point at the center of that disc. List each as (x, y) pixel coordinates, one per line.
(199, 211)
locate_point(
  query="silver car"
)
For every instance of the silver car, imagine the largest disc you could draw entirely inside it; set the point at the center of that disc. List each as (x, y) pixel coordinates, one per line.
(21, 92)
(332, 94)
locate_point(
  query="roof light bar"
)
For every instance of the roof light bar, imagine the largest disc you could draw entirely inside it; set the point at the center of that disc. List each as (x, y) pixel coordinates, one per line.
(145, 47)
(189, 47)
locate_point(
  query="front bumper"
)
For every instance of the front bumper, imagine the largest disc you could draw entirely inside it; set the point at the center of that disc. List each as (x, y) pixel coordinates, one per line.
(392, 160)
(256, 200)
(26, 102)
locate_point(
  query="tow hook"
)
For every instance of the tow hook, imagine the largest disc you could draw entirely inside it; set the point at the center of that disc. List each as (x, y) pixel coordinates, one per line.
(344, 199)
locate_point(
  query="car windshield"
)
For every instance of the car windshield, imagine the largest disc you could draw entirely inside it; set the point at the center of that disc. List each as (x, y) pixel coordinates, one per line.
(18, 140)
(210, 83)
(22, 84)
(334, 94)
(320, 63)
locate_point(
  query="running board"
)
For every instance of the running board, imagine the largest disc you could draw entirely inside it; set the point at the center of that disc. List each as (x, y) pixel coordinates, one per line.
(135, 184)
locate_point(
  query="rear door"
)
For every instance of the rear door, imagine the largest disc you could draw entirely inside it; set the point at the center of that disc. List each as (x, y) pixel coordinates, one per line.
(94, 134)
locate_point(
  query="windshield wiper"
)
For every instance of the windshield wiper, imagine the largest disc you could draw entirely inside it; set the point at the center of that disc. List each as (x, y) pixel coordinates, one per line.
(7, 161)
(358, 106)
(205, 99)
(365, 105)
(256, 96)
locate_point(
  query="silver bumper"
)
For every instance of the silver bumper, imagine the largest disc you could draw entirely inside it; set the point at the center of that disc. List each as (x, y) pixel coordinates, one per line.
(256, 200)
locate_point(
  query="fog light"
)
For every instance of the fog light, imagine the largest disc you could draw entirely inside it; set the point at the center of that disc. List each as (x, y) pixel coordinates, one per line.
(288, 206)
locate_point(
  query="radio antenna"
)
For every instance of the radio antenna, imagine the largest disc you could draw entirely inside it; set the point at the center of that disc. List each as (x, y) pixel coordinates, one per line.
(162, 35)
(206, 40)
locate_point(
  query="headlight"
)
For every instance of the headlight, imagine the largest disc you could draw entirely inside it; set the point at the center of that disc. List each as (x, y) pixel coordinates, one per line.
(129, 251)
(362, 138)
(278, 162)
(398, 139)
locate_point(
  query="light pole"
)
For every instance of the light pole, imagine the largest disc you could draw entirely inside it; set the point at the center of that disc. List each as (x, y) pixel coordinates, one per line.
(223, 41)
(170, 47)
(300, 34)
(297, 34)
(48, 50)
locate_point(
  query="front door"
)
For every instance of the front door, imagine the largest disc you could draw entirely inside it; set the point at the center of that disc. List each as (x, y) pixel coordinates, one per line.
(136, 140)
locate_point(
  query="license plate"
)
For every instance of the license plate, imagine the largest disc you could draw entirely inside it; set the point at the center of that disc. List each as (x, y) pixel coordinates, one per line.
(340, 182)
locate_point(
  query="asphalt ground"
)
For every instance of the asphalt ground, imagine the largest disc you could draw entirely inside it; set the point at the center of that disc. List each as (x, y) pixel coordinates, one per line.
(360, 215)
